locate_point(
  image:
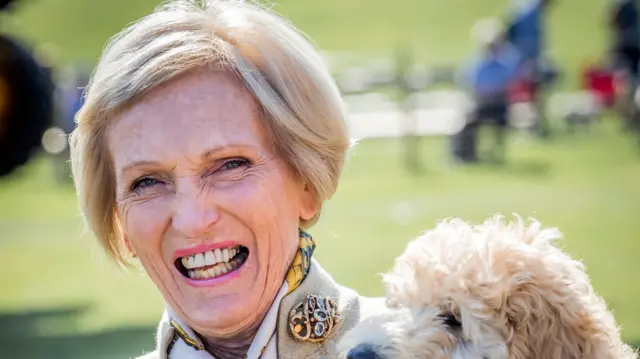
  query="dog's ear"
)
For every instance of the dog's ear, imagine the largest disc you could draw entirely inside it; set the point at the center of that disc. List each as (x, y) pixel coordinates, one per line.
(560, 322)
(549, 304)
(555, 314)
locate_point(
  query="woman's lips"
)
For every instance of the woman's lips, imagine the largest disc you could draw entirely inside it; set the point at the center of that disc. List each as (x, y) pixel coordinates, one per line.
(212, 264)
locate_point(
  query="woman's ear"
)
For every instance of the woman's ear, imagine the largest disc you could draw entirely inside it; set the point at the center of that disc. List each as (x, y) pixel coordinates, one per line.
(130, 248)
(309, 205)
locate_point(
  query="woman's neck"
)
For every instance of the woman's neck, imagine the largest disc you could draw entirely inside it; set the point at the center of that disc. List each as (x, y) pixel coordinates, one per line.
(230, 348)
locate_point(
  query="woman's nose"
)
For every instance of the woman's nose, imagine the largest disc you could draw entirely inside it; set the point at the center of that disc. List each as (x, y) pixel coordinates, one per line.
(194, 213)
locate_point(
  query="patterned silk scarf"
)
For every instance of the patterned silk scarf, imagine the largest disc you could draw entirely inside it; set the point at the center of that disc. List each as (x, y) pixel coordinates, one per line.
(185, 344)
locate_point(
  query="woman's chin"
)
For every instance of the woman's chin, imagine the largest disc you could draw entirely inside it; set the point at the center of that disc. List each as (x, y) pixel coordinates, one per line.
(221, 315)
(218, 300)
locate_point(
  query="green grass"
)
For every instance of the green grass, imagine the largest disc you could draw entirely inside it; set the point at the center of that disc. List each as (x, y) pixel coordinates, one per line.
(438, 31)
(586, 185)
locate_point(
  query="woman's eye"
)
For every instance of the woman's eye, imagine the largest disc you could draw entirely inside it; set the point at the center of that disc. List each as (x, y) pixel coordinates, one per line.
(234, 163)
(143, 183)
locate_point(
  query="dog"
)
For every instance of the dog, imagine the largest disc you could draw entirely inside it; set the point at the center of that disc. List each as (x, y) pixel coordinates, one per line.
(497, 290)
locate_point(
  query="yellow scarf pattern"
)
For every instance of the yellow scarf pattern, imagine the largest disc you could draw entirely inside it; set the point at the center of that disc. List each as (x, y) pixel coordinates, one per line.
(302, 261)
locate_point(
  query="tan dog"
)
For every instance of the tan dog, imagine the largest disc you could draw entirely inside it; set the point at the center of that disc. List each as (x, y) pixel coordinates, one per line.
(496, 290)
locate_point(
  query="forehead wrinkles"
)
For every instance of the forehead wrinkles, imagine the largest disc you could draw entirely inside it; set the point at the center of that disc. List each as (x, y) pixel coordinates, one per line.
(208, 118)
(198, 90)
(208, 109)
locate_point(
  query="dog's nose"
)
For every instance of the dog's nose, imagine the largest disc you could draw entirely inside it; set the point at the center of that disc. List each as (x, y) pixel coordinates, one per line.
(362, 352)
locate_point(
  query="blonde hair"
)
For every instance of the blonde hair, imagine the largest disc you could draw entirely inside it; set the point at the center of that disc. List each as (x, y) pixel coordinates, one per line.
(302, 106)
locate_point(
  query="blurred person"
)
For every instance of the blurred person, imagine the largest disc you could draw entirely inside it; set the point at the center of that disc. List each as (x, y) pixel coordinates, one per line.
(625, 26)
(625, 48)
(526, 32)
(487, 78)
(210, 136)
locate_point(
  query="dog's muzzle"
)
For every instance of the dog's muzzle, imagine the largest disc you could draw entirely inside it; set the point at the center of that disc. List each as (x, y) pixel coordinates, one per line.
(363, 351)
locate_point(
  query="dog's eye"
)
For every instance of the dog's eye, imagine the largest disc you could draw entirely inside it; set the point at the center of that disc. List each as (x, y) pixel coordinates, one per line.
(451, 321)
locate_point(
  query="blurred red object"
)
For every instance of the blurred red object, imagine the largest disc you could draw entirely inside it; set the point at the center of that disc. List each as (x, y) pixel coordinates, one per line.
(522, 90)
(601, 82)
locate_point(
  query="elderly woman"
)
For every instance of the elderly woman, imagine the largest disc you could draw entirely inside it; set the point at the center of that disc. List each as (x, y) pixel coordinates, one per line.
(210, 136)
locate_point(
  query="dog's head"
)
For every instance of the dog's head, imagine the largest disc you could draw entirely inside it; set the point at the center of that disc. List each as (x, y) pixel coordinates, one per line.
(414, 333)
(496, 290)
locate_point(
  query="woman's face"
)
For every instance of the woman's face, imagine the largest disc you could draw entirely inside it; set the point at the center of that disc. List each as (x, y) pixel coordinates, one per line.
(204, 201)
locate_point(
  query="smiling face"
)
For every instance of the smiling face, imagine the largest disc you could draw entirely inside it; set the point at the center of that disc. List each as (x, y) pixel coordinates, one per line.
(205, 202)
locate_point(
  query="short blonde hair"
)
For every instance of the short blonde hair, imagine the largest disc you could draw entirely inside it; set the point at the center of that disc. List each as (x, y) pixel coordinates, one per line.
(302, 107)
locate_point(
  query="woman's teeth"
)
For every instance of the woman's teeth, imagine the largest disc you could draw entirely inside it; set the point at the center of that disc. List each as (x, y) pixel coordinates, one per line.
(213, 263)
(212, 272)
(209, 258)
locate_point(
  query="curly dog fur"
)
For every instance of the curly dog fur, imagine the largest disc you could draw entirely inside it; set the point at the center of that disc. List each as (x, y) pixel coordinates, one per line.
(495, 290)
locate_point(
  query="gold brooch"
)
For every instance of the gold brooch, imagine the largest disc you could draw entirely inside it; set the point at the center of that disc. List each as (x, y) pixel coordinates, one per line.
(314, 318)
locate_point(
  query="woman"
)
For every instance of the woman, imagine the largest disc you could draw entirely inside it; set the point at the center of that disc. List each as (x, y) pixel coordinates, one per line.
(210, 136)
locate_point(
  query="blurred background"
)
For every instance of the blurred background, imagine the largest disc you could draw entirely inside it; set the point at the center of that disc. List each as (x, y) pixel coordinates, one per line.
(455, 115)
